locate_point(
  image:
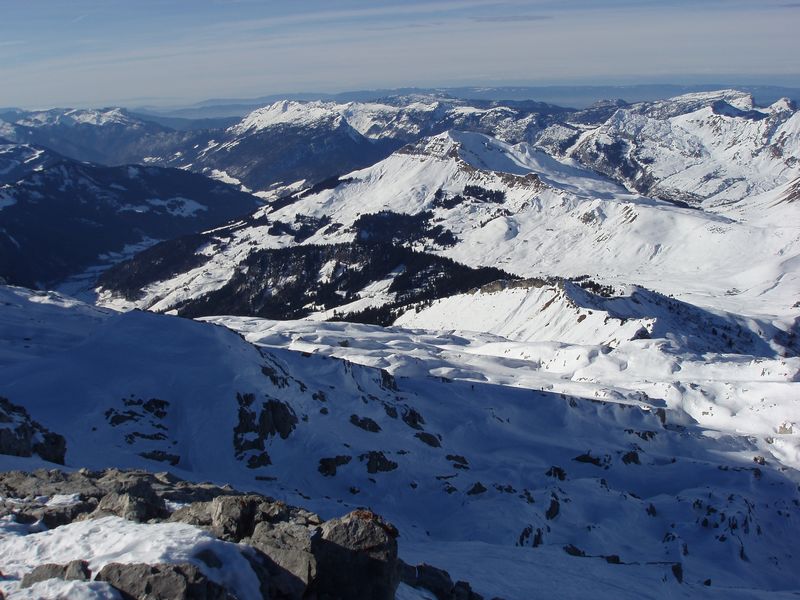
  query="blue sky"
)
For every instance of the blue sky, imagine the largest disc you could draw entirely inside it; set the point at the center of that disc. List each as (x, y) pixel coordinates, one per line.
(99, 52)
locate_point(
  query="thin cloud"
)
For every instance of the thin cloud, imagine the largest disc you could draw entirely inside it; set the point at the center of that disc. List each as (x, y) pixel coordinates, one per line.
(396, 47)
(397, 10)
(511, 18)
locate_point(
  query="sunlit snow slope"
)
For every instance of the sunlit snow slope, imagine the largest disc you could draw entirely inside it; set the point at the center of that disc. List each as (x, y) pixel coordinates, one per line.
(542, 456)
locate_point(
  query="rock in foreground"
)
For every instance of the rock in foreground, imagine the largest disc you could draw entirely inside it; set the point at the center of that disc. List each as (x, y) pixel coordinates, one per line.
(152, 536)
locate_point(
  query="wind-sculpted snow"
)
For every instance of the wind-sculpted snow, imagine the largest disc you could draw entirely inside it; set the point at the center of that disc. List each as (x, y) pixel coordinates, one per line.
(649, 469)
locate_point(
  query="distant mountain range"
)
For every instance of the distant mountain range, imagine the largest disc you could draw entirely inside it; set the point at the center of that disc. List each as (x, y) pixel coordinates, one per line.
(576, 96)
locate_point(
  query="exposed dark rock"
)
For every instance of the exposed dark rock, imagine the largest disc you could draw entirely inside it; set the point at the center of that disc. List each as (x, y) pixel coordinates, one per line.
(553, 509)
(161, 582)
(161, 456)
(20, 435)
(557, 472)
(328, 466)
(459, 461)
(272, 418)
(477, 488)
(365, 423)
(377, 461)
(525, 535)
(413, 419)
(677, 571)
(573, 550)
(631, 457)
(588, 458)
(436, 581)
(277, 418)
(77, 570)
(388, 382)
(429, 439)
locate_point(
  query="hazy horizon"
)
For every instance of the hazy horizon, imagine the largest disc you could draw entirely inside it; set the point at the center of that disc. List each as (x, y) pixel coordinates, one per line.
(176, 52)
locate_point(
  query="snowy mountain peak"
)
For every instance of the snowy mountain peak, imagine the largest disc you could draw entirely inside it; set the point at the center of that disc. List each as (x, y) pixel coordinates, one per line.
(288, 112)
(687, 103)
(783, 105)
(72, 117)
(711, 148)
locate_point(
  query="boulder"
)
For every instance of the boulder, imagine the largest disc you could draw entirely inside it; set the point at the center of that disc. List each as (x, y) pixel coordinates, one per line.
(131, 506)
(233, 517)
(161, 582)
(286, 546)
(356, 558)
(77, 570)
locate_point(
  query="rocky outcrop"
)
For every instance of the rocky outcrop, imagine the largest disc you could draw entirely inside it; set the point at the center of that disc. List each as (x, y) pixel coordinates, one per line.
(77, 570)
(357, 556)
(377, 462)
(161, 582)
(328, 466)
(257, 423)
(436, 581)
(20, 435)
(294, 553)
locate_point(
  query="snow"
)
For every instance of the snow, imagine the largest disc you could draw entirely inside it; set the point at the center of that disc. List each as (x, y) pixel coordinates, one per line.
(723, 392)
(558, 219)
(715, 147)
(66, 590)
(73, 117)
(285, 112)
(512, 409)
(6, 200)
(403, 118)
(115, 540)
(63, 499)
(685, 363)
(178, 207)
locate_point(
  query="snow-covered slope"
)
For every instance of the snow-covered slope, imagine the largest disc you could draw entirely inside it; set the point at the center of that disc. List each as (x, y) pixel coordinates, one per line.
(563, 311)
(109, 136)
(280, 145)
(710, 148)
(541, 455)
(64, 217)
(408, 118)
(73, 117)
(483, 202)
(17, 160)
